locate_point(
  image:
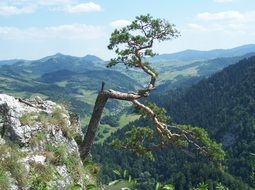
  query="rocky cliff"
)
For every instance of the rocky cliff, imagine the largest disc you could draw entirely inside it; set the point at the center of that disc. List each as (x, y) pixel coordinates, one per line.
(38, 146)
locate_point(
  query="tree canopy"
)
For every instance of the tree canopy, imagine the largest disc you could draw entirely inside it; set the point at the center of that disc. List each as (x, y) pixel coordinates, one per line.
(135, 41)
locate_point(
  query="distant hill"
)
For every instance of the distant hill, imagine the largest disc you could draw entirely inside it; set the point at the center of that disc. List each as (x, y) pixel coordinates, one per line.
(172, 67)
(186, 75)
(92, 58)
(193, 55)
(185, 65)
(186, 55)
(71, 80)
(60, 62)
(9, 62)
(58, 69)
(90, 80)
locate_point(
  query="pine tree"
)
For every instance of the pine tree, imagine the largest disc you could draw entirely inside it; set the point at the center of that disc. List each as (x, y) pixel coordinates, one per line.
(133, 46)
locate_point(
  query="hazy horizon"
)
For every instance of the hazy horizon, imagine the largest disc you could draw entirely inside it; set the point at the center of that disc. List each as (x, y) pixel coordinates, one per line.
(108, 59)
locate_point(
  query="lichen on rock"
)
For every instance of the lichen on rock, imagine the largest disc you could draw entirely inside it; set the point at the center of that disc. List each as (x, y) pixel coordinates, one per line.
(38, 145)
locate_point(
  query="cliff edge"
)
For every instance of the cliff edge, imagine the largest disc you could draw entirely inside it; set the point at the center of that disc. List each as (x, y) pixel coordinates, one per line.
(39, 146)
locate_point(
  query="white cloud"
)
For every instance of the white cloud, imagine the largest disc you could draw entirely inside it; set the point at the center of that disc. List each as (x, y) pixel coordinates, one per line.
(75, 31)
(12, 7)
(120, 23)
(227, 22)
(37, 2)
(196, 27)
(63, 32)
(55, 2)
(219, 16)
(211, 30)
(13, 10)
(83, 7)
(223, 1)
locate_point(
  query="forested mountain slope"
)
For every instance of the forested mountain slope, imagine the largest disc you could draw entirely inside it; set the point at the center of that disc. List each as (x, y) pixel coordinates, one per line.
(224, 104)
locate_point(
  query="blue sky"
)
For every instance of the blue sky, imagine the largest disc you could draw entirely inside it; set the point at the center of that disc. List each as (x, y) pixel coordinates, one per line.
(32, 29)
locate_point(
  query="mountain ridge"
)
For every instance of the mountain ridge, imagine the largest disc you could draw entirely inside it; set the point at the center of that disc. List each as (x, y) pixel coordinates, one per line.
(180, 55)
(191, 54)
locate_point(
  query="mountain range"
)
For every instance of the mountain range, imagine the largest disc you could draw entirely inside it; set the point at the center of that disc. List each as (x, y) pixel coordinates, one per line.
(193, 55)
(74, 81)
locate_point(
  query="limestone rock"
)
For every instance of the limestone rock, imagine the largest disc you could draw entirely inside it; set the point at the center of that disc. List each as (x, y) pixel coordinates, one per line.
(38, 138)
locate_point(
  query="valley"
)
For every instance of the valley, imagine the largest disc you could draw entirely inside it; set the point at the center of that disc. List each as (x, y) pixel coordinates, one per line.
(75, 81)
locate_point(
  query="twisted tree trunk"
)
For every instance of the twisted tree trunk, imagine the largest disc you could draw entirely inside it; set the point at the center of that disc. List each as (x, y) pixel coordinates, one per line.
(133, 97)
(101, 100)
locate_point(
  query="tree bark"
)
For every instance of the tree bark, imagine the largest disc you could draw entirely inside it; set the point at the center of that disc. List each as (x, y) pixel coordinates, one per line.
(101, 100)
(93, 124)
